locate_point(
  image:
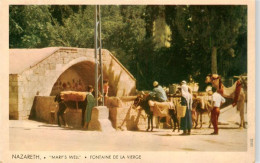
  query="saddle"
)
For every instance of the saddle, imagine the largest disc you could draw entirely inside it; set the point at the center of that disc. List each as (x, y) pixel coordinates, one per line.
(160, 108)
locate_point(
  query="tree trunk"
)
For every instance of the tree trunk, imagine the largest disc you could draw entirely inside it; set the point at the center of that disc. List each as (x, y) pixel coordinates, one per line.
(214, 67)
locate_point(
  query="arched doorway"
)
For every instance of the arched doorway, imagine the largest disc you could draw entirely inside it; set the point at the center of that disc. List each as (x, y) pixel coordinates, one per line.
(77, 78)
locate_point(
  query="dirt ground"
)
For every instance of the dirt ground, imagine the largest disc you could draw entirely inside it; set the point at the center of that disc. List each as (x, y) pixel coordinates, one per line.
(36, 136)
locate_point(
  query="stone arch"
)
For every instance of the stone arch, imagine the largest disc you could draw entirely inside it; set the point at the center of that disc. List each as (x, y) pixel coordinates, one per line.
(33, 72)
(60, 69)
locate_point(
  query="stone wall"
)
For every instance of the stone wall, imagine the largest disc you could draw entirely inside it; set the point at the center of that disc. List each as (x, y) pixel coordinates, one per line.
(125, 117)
(45, 110)
(122, 82)
(41, 78)
(13, 97)
(121, 115)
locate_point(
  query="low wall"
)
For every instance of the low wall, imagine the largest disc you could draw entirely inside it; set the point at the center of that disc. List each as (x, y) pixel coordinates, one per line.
(121, 114)
(13, 97)
(45, 110)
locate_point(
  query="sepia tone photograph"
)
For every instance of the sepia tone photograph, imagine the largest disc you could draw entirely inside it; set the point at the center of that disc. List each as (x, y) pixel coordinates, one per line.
(110, 82)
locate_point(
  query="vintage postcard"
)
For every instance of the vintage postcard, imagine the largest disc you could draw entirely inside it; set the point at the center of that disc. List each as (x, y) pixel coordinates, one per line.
(155, 81)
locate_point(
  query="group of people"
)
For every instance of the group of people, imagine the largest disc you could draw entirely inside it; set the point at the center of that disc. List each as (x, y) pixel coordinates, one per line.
(186, 100)
(91, 101)
(160, 96)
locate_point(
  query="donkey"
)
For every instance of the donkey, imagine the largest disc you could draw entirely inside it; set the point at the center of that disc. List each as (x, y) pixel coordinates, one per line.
(143, 102)
(198, 110)
(63, 105)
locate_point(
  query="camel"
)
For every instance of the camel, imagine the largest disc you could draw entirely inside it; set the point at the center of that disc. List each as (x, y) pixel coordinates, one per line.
(235, 92)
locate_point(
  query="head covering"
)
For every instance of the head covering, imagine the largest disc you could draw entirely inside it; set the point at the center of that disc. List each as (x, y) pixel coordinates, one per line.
(155, 83)
(183, 82)
(185, 93)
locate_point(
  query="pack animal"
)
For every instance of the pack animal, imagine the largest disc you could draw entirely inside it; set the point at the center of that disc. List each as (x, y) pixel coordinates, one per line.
(144, 101)
(63, 105)
(235, 92)
(199, 107)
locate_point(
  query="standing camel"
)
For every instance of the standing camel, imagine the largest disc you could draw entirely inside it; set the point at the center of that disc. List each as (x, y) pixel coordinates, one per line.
(235, 92)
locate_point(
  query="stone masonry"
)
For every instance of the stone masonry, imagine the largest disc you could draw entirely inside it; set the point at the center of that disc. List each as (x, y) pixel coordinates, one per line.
(120, 113)
(39, 78)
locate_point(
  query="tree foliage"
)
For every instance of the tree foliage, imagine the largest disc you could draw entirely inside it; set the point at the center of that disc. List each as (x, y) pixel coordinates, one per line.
(29, 26)
(137, 36)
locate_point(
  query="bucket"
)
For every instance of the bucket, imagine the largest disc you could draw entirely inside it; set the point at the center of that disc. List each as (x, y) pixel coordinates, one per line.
(181, 111)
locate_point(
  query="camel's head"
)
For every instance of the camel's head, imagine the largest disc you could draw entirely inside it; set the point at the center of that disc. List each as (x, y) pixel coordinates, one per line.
(211, 78)
(215, 80)
(208, 79)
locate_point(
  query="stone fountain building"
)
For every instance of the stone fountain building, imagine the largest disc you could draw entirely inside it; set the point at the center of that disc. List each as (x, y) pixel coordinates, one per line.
(45, 72)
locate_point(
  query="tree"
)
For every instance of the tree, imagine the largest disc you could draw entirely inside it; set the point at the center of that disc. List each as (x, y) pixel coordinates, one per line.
(215, 27)
(28, 26)
(199, 37)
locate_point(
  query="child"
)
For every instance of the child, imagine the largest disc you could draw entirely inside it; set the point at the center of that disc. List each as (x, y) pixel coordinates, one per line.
(105, 87)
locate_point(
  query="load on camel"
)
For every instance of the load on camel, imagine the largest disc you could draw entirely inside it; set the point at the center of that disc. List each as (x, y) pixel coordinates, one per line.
(157, 109)
(235, 92)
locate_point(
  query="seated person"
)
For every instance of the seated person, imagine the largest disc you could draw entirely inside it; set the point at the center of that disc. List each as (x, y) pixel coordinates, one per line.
(158, 92)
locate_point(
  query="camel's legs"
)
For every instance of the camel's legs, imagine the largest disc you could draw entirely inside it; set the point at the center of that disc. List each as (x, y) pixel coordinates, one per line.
(240, 107)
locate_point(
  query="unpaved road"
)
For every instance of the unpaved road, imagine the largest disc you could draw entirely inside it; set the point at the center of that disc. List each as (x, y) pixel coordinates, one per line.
(36, 136)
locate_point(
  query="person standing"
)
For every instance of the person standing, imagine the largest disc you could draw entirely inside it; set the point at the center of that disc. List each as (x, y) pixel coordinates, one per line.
(158, 92)
(105, 87)
(217, 101)
(90, 105)
(105, 90)
(186, 100)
